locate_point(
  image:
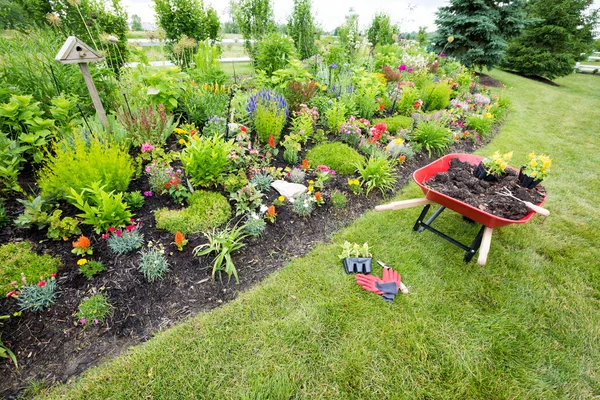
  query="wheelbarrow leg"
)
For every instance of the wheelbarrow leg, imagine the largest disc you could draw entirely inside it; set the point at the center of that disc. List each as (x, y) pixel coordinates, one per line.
(421, 217)
(486, 241)
(475, 245)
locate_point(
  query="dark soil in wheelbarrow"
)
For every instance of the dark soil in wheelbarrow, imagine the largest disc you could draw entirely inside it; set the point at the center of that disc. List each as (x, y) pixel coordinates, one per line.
(460, 183)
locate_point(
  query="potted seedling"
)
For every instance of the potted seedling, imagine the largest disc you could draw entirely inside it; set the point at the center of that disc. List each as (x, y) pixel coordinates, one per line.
(356, 258)
(531, 174)
(490, 168)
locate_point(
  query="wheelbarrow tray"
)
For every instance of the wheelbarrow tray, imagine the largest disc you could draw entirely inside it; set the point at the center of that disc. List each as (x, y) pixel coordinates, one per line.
(422, 175)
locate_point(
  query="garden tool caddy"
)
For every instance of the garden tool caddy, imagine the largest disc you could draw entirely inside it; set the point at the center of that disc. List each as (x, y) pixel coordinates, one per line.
(488, 221)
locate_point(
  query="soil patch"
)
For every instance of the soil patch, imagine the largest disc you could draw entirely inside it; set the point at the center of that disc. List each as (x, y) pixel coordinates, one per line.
(488, 80)
(460, 183)
(535, 78)
(51, 347)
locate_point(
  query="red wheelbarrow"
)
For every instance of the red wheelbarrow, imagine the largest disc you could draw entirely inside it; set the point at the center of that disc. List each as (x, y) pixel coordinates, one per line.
(488, 221)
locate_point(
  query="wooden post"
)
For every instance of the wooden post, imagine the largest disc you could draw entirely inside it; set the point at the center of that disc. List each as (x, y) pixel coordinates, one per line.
(89, 82)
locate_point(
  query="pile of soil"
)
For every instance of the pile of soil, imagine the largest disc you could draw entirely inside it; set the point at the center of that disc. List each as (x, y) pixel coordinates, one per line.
(460, 183)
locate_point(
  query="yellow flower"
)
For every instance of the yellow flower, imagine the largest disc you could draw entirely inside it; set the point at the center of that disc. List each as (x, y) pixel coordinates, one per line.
(546, 163)
(399, 141)
(531, 155)
(181, 141)
(508, 156)
(311, 182)
(281, 198)
(503, 165)
(83, 261)
(450, 39)
(311, 189)
(179, 131)
(533, 163)
(533, 173)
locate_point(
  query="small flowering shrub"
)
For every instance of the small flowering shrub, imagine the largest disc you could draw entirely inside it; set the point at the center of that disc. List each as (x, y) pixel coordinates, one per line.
(377, 173)
(537, 167)
(324, 175)
(164, 179)
(303, 123)
(153, 264)
(82, 246)
(269, 112)
(93, 310)
(271, 214)
(205, 101)
(304, 205)
(206, 160)
(214, 126)
(396, 123)
(482, 124)
(205, 210)
(90, 268)
(247, 199)
(18, 258)
(298, 92)
(254, 225)
(351, 131)
(296, 175)
(406, 102)
(123, 241)
(37, 297)
(355, 186)
(339, 156)
(152, 125)
(262, 181)
(497, 163)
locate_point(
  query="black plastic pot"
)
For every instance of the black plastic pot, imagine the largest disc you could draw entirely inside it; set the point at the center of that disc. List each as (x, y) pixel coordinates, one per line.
(358, 265)
(527, 181)
(481, 173)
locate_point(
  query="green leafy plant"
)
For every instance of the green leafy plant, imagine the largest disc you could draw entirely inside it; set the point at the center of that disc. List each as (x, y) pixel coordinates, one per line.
(223, 242)
(153, 264)
(537, 166)
(101, 209)
(158, 85)
(480, 123)
(336, 116)
(269, 112)
(11, 162)
(206, 160)
(497, 163)
(377, 173)
(433, 135)
(406, 103)
(206, 101)
(19, 258)
(262, 181)
(247, 199)
(436, 96)
(135, 200)
(93, 310)
(354, 250)
(396, 123)
(292, 147)
(37, 297)
(4, 219)
(273, 52)
(122, 242)
(147, 124)
(91, 268)
(254, 225)
(338, 199)
(339, 156)
(79, 162)
(207, 67)
(205, 210)
(62, 228)
(35, 213)
(5, 351)
(304, 205)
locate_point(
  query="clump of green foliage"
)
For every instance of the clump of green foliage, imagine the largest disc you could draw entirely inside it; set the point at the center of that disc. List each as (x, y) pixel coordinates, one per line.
(135, 200)
(377, 173)
(223, 242)
(406, 102)
(304, 205)
(205, 210)
(37, 297)
(62, 228)
(338, 199)
(76, 163)
(436, 96)
(394, 124)
(339, 156)
(433, 135)
(273, 52)
(153, 264)
(206, 160)
(17, 258)
(125, 241)
(255, 225)
(91, 268)
(479, 124)
(93, 310)
(336, 116)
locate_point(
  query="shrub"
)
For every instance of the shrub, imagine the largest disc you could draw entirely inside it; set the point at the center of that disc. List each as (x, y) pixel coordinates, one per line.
(479, 123)
(377, 172)
(262, 181)
(215, 126)
(153, 264)
(78, 163)
(147, 124)
(17, 258)
(433, 135)
(269, 112)
(394, 124)
(406, 102)
(101, 209)
(135, 200)
(247, 199)
(336, 116)
(93, 310)
(203, 102)
(436, 96)
(91, 268)
(206, 160)
(62, 228)
(124, 242)
(35, 213)
(255, 225)
(339, 156)
(297, 175)
(223, 242)
(11, 161)
(304, 205)
(273, 52)
(338, 199)
(39, 296)
(300, 93)
(206, 210)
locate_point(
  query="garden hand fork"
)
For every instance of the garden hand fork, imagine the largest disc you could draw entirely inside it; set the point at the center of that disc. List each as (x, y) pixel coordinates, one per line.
(531, 206)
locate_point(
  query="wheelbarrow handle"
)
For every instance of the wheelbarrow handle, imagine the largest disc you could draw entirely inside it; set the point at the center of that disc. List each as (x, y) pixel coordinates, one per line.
(537, 209)
(399, 205)
(484, 249)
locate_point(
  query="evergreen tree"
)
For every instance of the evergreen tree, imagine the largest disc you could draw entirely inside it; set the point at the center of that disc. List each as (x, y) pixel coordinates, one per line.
(561, 30)
(136, 23)
(381, 31)
(301, 27)
(255, 19)
(481, 29)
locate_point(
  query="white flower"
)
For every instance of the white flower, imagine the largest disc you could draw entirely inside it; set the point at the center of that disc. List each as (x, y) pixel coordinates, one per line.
(263, 208)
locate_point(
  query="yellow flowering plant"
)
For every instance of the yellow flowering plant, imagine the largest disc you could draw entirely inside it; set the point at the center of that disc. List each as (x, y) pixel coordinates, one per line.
(355, 186)
(537, 167)
(497, 163)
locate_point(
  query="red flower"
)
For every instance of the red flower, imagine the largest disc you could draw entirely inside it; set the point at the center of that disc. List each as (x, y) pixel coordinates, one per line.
(53, 275)
(11, 293)
(112, 229)
(132, 220)
(192, 133)
(119, 232)
(130, 227)
(272, 141)
(42, 283)
(305, 164)
(243, 129)
(381, 107)
(318, 196)
(105, 236)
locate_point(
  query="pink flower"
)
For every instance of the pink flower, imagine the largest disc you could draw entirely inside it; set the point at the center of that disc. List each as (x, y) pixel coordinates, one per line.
(105, 236)
(11, 293)
(146, 147)
(130, 227)
(13, 283)
(323, 168)
(82, 321)
(112, 229)
(402, 67)
(119, 232)
(96, 322)
(148, 194)
(410, 70)
(41, 283)
(131, 219)
(53, 275)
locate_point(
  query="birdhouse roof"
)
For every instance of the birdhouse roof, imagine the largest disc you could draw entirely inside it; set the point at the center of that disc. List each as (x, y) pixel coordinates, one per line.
(76, 51)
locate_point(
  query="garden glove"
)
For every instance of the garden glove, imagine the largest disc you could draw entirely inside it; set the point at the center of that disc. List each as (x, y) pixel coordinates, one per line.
(368, 282)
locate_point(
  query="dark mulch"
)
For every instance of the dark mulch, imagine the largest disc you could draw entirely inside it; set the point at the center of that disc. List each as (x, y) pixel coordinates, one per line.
(487, 80)
(51, 347)
(460, 183)
(535, 78)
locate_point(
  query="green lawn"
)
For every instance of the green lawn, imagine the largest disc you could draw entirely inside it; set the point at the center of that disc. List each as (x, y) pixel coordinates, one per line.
(526, 326)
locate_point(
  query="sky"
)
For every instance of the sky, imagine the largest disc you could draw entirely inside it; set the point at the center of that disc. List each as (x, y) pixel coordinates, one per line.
(329, 13)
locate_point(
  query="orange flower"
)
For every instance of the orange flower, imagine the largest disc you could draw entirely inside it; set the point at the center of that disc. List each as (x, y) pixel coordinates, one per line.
(271, 211)
(82, 243)
(179, 238)
(272, 141)
(318, 196)
(402, 158)
(305, 164)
